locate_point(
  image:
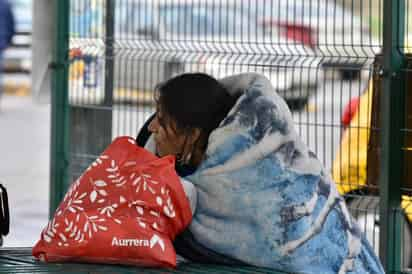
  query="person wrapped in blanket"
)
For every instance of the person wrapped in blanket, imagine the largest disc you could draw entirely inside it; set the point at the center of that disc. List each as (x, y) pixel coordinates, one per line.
(263, 198)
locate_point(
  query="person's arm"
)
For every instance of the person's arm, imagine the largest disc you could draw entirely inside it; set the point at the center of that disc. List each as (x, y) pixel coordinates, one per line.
(191, 193)
(7, 27)
(10, 25)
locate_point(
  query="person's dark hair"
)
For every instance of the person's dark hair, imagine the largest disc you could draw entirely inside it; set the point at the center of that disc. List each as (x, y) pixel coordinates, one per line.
(194, 100)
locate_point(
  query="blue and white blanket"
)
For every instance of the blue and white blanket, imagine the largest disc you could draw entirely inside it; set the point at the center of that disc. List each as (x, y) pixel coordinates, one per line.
(264, 198)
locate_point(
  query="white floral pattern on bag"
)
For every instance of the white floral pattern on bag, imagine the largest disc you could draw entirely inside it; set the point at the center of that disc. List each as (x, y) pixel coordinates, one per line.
(79, 226)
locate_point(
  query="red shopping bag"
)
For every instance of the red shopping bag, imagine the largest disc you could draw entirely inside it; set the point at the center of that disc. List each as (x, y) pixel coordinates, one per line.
(126, 208)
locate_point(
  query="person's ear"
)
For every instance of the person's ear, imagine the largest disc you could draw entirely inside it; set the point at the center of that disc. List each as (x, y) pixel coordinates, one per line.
(194, 136)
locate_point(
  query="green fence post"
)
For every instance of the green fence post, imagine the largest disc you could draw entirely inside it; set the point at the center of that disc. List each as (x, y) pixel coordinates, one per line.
(59, 110)
(109, 54)
(392, 117)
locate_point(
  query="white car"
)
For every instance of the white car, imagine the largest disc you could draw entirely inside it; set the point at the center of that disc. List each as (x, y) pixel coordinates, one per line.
(155, 40)
(343, 38)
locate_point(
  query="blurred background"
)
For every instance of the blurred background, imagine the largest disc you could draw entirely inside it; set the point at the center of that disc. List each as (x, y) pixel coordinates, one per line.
(318, 54)
(25, 109)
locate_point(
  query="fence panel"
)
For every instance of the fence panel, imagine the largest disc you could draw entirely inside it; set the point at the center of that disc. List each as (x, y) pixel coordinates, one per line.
(319, 55)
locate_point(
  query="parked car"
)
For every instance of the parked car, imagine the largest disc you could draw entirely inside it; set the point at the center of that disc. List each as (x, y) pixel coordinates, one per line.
(155, 40)
(17, 58)
(338, 34)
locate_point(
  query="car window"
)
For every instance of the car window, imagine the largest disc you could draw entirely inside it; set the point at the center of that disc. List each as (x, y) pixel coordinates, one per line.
(206, 20)
(313, 10)
(133, 18)
(286, 11)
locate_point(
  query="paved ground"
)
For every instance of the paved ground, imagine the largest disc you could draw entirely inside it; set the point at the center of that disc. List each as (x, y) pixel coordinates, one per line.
(24, 166)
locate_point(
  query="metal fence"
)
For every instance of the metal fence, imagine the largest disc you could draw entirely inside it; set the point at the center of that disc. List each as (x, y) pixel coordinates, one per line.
(342, 66)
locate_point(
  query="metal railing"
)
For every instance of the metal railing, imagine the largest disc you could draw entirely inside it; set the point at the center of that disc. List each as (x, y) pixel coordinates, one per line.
(342, 66)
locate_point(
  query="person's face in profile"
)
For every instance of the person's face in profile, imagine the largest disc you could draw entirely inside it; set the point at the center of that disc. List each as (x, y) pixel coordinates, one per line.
(168, 140)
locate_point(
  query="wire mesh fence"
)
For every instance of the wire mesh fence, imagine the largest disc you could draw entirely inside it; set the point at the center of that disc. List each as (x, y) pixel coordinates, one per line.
(319, 55)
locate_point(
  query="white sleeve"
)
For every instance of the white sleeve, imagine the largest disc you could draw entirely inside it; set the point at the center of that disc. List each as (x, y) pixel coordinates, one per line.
(188, 187)
(191, 193)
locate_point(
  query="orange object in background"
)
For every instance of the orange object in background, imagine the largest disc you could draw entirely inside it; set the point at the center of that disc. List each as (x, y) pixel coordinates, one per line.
(349, 167)
(349, 170)
(126, 208)
(76, 68)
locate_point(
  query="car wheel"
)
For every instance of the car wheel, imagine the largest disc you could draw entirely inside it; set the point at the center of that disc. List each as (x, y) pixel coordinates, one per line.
(365, 210)
(297, 104)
